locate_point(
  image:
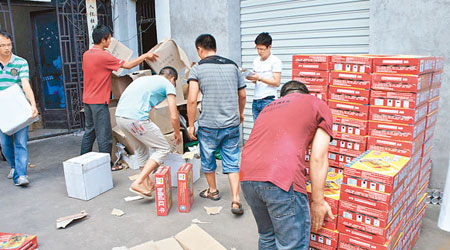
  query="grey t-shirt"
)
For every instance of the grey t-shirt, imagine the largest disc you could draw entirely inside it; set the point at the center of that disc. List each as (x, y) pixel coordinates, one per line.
(219, 79)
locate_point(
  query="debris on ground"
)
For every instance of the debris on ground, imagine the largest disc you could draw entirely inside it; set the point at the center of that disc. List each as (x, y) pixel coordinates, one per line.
(213, 210)
(117, 212)
(133, 198)
(150, 245)
(197, 221)
(64, 221)
(195, 238)
(120, 248)
(133, 177)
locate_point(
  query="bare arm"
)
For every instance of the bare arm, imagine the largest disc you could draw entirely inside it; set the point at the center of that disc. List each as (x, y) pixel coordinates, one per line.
(138, 60)
(318, 175)
(30, 95)
(275, 80)
(174, 118)
(242, 99)
(194, 89)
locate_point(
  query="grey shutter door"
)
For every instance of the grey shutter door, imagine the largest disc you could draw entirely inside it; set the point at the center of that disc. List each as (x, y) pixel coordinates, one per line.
(301, 27)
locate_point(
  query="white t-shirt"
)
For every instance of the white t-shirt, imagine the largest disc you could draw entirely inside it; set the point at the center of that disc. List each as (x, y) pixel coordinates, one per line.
(266, 69)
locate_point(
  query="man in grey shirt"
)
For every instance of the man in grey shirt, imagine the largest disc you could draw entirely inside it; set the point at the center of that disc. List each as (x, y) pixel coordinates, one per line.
(223, 88)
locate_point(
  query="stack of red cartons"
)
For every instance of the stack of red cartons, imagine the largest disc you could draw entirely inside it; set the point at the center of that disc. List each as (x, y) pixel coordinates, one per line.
(375, 196)
(314, 71)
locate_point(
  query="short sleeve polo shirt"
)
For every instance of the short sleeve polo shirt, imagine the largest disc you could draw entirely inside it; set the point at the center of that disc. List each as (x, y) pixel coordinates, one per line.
(13, 72)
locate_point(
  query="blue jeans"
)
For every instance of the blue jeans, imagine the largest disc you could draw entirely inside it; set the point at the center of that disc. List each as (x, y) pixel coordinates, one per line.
(227, 141)
(258, 106)
(282, 217)
(15, 150)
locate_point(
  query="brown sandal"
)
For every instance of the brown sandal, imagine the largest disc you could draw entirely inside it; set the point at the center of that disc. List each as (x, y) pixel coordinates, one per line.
(237, 211)
(210, 195)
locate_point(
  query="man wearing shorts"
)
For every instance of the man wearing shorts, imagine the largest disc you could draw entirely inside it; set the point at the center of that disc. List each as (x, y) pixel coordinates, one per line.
(222, 85)
(132, 116)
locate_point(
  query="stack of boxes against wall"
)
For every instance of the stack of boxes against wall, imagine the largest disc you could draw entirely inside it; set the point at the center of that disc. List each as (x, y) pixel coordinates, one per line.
(385, 103)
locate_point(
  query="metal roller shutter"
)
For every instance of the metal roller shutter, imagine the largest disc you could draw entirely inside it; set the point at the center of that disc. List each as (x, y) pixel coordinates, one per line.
(302, 27)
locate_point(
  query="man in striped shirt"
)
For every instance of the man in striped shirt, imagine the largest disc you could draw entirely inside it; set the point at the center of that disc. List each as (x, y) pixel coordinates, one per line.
(14, 70)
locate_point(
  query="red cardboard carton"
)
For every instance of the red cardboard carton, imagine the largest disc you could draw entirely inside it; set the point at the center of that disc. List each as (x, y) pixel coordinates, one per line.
(351, 80)
(397, 115)
(350, 126)
(437, 78)
(344, 94)
(319, 91)
(405, 83)
(348, 141)
(427, 145)
(311, 80)
(371, 198)
(404, 64)
(395, 131)
(433, 105)
(348, 242)
(431, 119)
(440, 62)
(352, 63)
(18, 241)
(434, 91)
(429, 132)
(310, 73)
(318, 246)
(185, 188)
(403, 148)
(312, 66)
(349, 110)
(341, 159)
(163, 188)
(426, 158)
(398, 99)
(311, 58)
(326, 237)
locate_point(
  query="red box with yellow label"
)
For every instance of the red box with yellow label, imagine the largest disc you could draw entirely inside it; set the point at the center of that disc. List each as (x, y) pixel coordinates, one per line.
(185, 188)
(163, 189)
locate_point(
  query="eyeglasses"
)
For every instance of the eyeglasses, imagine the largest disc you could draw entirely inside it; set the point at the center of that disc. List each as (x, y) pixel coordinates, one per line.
(5, 45)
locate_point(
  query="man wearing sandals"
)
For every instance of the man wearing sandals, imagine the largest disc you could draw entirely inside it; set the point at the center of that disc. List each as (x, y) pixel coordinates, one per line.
(132, 114)
(222, 85)
(273, 168)
(98, 65)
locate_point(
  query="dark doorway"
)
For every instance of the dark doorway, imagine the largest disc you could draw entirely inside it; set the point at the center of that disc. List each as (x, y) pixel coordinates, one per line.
(49, 75)
(146, 26)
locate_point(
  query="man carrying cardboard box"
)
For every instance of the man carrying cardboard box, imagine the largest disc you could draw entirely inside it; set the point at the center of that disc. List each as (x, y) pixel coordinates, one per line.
(98, 65)
(273, 169)
(132, 114)
(15, 71)
(223, 88)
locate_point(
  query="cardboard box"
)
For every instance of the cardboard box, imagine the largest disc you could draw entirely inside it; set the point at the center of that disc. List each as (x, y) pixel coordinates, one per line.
(341, 159)
(311, 80)
(431, 119)
(310, 58)
(435, 91)
(351, 80)
(429, 132)
(163, 187)
(352, 63)
(436, 79)
(88, 175)
(160, 115)
(345, 94)
(433, 105)
(349, 110)
(404, 64)
(185, 187)
(169, 243)
(426, 157)
(176, 160)
(405, 83)
(119, 136)
(348, 141)
(120, 83)
(120, 51)
(331, 190)
(403, 148)
(174, 147)
(394, 131)
(398, 99)
(112, 116)
(15, 107)
(350, 126)
(326, 237)
(440, 63)
(319, 91)
(18, 241)
(397, 115)
(311, 65)
(427, 145)
(195, 238)
(310, 73)
(318, 246)
(349, 242)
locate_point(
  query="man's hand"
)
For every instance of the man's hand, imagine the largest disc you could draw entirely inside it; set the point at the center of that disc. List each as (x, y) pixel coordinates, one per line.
(34, 111)
(253, 78)
(151, 56)
(177, 138)
(318, 212)
(191, 132)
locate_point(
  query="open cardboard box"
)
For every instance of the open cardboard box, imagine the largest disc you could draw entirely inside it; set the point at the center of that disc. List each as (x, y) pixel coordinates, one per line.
(120, 51)
(119, 84)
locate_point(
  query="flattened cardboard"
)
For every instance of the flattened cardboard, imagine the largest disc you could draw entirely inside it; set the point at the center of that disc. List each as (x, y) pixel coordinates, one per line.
(169, 243)
(119, 136)
(120, 51)
(150, 245)
(195, 238)
(64, 221)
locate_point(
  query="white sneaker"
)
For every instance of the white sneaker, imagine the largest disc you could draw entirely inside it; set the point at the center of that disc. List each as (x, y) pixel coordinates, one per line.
(22, 181)
(11, 173)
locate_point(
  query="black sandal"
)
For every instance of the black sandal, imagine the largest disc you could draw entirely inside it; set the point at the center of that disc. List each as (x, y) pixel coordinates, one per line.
(116, 167)
(237, 211)
(208, 195)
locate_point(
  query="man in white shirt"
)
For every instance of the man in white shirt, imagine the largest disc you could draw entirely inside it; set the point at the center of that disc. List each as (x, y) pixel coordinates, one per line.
(267, 74)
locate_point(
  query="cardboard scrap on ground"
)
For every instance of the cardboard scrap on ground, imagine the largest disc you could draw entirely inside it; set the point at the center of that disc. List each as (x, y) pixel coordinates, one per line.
(213, 210)
(150, 245)
(195, 238)
(133, 177)
(199, 221)
(120, 248)
(169, 243)
(117, 212)
(64, 221)
(133, 198)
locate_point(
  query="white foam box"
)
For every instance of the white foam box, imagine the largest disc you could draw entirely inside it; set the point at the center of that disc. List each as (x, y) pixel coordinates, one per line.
(176, 160)
(15, 110)
(88, 175)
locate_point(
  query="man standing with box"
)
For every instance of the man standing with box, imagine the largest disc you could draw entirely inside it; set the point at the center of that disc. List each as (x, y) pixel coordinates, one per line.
(273, 168)
(15, 71)
(132, 116)
(98, 65)
(223, 88)
(267, 74)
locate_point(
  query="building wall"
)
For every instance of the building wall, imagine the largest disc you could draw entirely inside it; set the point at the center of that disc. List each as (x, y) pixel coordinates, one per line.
(188, 19)
(418, 27)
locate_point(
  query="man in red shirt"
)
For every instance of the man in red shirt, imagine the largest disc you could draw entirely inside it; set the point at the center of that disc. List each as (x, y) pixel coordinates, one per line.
(273, 168)
(98, 65)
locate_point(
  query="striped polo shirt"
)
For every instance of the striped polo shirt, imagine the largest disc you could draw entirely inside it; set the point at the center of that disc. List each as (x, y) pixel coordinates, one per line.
(13, 72)
(219, 79)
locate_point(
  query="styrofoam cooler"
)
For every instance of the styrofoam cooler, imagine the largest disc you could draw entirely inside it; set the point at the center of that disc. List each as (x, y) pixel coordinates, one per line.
(15, 110)
(176, 160)
(88, 175)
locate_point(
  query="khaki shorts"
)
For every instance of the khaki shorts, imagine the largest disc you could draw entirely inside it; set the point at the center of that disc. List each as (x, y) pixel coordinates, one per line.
(145, 135)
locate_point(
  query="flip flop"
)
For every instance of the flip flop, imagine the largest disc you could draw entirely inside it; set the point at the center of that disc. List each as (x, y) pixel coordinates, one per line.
(237, 211)
(215, 196)
(117, 167)
(145, 196)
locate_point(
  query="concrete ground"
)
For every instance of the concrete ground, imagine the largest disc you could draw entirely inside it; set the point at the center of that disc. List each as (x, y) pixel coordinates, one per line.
(34, 210)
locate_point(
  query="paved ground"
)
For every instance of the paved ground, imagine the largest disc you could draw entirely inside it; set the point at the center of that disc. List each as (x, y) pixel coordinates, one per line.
(34, 210)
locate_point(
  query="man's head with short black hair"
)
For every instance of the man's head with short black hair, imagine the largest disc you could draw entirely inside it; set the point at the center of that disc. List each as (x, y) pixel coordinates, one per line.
(101, 32)
(264, 39)
(5, 35)
(169, 73)
(206, 42)
(293, 87)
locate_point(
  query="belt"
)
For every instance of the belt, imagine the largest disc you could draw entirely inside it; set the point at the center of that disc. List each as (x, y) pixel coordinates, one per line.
(269, 97)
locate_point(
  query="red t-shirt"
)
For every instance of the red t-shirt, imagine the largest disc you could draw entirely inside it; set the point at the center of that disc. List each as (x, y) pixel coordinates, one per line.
(275, 151)
(97, 68)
